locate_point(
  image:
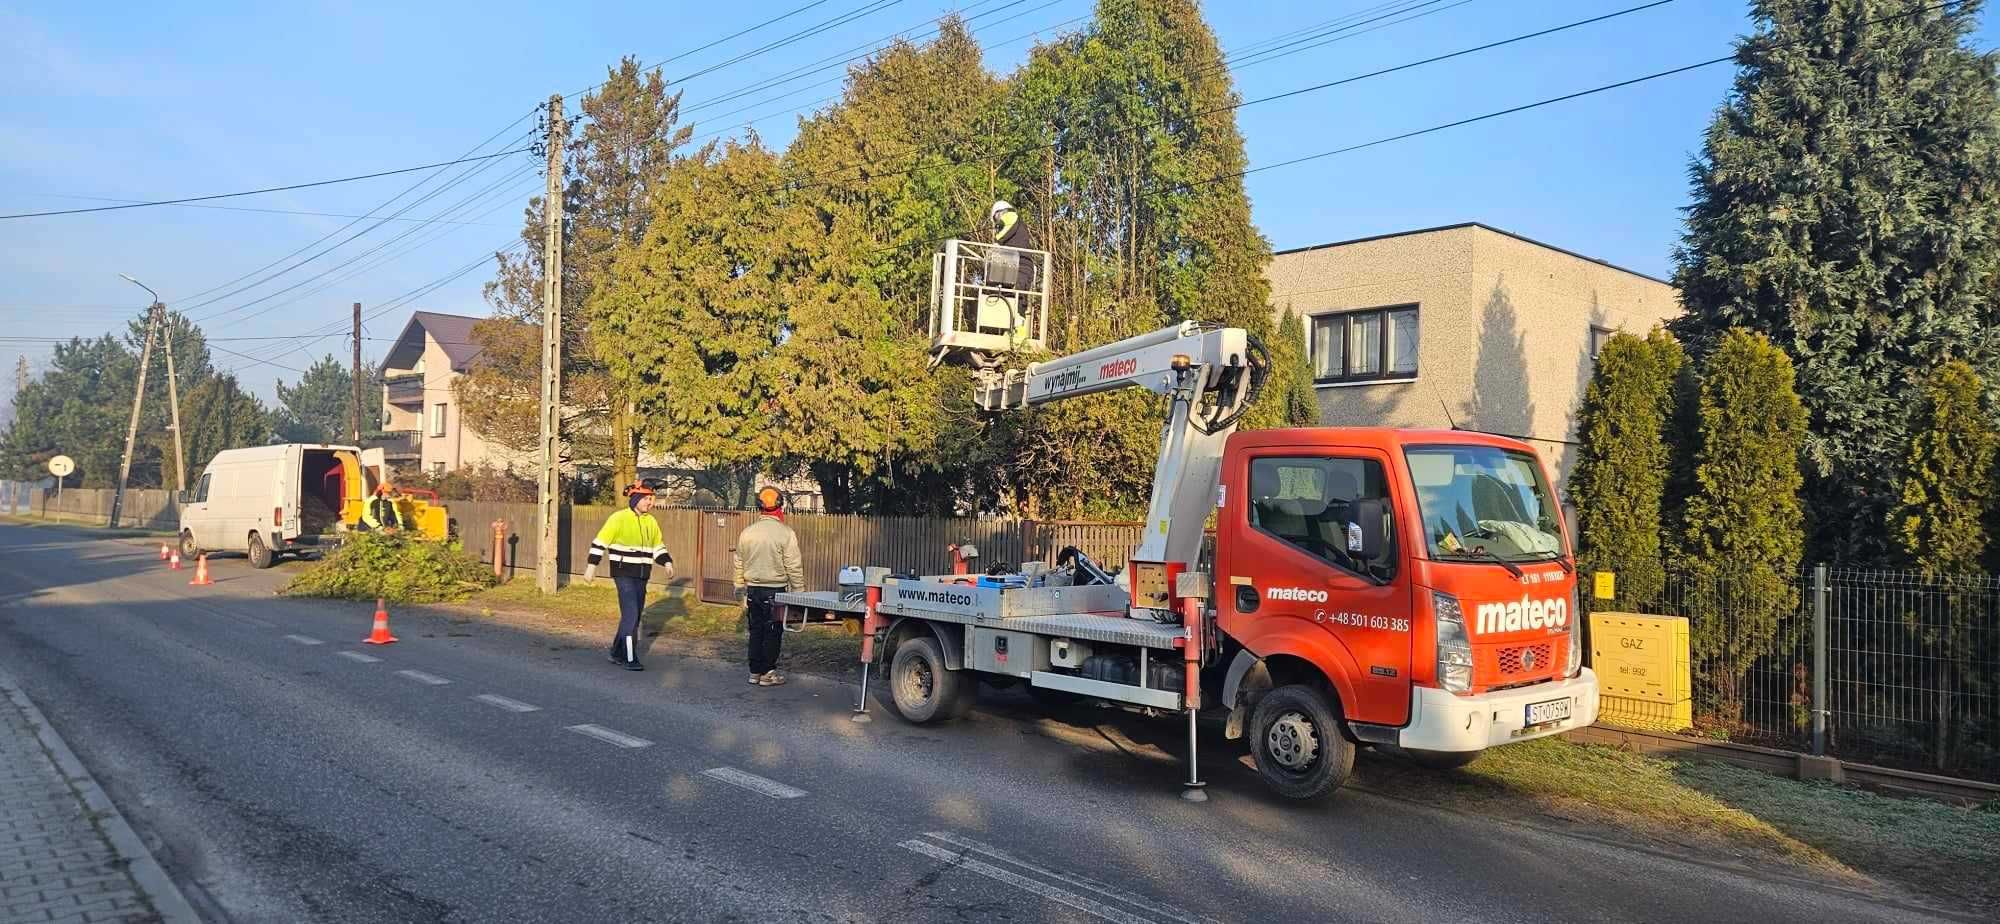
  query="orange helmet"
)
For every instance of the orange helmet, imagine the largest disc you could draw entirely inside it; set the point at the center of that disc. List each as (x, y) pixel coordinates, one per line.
(383, 488)
(639, 489)
(769, 499)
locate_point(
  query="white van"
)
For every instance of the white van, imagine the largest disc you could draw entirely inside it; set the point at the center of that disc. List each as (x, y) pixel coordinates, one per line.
(266, 501)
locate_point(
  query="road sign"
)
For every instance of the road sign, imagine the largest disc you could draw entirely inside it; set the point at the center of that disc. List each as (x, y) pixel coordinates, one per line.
(62, 466)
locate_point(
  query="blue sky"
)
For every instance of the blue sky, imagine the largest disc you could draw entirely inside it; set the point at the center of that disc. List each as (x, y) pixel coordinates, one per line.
(148, 101)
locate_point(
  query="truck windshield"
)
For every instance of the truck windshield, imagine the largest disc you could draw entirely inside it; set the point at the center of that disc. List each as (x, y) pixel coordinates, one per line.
(1474, 498)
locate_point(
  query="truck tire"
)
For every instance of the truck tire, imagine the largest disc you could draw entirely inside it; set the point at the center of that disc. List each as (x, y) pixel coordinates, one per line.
(1297, 744)
(189, 550)
(921, 689)
(1443, 760)
(260, 554)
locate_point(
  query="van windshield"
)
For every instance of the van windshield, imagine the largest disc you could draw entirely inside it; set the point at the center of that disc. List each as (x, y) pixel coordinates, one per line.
(1479, 501)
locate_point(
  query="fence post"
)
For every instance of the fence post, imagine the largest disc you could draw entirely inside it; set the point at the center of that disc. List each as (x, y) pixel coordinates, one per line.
(1819, 710)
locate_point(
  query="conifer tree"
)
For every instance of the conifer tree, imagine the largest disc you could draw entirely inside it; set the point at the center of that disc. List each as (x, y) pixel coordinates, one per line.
(1620, 478)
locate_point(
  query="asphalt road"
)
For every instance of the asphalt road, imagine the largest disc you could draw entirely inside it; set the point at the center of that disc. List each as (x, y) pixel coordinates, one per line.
(284, 772)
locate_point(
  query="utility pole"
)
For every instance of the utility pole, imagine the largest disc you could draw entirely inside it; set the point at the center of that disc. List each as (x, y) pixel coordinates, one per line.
(138, 398)
(355, 418)
(173, 401)
(546, 511)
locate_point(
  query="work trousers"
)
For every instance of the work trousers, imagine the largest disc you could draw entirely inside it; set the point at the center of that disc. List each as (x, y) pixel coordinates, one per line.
(767, 633)
(631, 602)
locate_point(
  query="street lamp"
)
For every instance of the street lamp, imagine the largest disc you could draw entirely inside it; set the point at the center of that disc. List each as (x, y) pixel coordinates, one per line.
(156, 316)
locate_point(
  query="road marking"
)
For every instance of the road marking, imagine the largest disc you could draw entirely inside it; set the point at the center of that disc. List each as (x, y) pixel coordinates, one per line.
(753, 782)
(305, 639)
(511, 705)
(963, 860)
(1137, 901)
(604, 734)
(421, 677)
(358, 656)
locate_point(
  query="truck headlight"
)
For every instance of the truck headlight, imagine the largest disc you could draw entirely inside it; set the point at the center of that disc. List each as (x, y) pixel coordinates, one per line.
(1575, 634)
(1454, 648)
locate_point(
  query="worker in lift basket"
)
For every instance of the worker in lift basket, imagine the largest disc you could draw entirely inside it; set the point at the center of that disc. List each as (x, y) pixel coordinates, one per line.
(767, 562)
(631, 539)
(379, 513)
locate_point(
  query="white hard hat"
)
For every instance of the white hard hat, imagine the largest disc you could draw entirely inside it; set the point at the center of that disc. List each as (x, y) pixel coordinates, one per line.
(998, 207)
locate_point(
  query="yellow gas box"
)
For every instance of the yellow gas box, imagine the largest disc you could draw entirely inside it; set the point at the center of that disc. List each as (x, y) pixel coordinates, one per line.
(1642, 671)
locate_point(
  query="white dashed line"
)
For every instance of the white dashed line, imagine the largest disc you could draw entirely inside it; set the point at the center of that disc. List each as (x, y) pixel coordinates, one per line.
(511, 705)
(753, 782)
(421, 677)
(965, 862)
(305, 639)
(358, 656)
(604, 734)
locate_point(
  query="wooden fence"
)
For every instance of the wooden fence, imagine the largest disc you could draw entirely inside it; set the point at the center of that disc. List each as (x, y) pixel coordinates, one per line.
(145, 508)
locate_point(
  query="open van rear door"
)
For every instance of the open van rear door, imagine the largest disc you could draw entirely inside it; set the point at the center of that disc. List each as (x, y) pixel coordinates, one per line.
(375, 469)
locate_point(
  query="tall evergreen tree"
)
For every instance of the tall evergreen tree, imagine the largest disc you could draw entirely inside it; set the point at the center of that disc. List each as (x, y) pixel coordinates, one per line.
(77, 408)
(1847, 205)
(1745, 525)
(315, 408)
(1289, 390)
(1619, 482)
(625, 139)
(219, 415)
(1126, 125)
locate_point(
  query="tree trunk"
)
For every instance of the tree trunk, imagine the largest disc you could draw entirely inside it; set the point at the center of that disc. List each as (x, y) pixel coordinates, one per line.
(624, 443)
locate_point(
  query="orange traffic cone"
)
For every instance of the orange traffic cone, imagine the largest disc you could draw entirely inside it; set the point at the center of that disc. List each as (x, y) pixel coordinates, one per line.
(201, 572)
(381, 634)
(174, 563)
(163, 551)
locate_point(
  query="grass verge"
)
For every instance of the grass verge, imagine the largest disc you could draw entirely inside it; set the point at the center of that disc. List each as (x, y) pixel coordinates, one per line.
(677, 622)
(1940, 854)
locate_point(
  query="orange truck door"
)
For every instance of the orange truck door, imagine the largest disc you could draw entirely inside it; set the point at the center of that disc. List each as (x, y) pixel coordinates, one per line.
(1293, 588)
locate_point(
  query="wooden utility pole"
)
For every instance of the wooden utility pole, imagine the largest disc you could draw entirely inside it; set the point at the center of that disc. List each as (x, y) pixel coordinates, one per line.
(173, 401)
(354, 419)
(546, 510)
(138, 399)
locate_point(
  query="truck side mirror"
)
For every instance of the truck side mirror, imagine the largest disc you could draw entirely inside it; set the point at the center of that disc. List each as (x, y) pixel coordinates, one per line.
(184, 497)
(1367, 536)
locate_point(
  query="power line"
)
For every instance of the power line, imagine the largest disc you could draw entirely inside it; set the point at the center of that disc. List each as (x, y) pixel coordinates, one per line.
(815, 179)
(269, 189)
(733, 35)
(238, 208)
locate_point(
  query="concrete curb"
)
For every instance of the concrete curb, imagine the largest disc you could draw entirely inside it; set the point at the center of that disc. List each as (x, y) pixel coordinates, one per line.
(166, 898)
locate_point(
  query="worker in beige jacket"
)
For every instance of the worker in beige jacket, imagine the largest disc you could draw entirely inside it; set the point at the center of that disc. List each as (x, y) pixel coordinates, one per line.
(767, 562)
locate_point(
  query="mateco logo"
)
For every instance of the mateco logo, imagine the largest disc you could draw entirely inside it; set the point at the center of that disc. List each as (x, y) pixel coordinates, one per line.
(1516, 615)
(1117, 368)
(1296, 593)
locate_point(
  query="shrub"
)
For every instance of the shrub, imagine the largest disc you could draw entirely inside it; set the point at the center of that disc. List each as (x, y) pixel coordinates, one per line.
(1620, 478)
(397, 568)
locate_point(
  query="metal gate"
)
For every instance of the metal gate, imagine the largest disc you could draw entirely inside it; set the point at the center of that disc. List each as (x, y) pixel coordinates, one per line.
(717, 542)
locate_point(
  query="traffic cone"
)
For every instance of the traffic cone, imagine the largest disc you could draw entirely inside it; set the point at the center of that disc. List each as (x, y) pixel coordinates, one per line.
(201, 572)
(174, 563)
(381, 634)
(163, 551)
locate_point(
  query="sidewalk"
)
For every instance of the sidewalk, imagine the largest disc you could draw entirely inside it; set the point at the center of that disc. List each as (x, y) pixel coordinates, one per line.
(66, 854)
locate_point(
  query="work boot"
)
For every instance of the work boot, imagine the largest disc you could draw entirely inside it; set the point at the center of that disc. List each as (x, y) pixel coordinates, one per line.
(633, 666)
(756, 680)
(771, 679)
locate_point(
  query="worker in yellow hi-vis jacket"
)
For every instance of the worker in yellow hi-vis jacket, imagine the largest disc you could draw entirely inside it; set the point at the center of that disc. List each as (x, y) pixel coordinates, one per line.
(631, 540)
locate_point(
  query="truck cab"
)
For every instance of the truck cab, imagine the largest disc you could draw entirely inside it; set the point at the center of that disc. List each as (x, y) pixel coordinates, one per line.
(1419, 582)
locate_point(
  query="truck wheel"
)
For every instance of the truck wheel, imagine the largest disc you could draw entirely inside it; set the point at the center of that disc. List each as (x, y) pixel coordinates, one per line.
(260, 554)
(920, 687)
(188, 549)
(1443, 760)
(1296, 742)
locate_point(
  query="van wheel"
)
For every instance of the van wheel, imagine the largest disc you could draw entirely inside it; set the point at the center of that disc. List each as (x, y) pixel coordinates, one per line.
(1296, 741)
(921, 688)
(188, 549)
(260, 554)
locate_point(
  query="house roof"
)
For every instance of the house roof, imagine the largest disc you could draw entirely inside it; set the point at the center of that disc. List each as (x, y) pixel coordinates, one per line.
(1474, 224)
(453, 333)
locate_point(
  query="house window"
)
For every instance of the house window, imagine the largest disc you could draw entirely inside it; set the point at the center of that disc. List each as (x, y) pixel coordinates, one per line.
(1598, 336)
(437, 468)
(1379, 344)
(437, 419)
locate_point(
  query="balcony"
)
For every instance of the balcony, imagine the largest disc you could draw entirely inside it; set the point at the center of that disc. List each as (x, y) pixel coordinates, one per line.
(407, 389)
(396, 445)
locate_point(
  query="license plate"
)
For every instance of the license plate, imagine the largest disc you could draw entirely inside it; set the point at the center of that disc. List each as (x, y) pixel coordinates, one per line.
(1555, 710)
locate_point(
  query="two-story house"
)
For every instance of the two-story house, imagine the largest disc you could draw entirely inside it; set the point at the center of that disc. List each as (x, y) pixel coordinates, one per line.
(1466, 324)
(427, 432)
